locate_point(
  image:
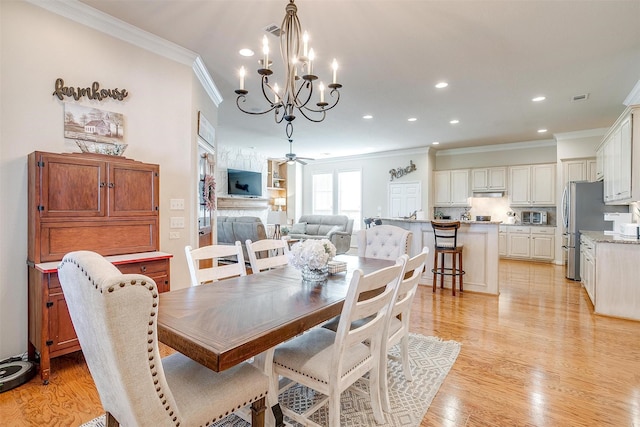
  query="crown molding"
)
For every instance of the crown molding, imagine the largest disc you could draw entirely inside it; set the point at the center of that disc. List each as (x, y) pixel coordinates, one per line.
(498, 147)
(376, 155)
(634, 96)
(588, 133)
(100, 21)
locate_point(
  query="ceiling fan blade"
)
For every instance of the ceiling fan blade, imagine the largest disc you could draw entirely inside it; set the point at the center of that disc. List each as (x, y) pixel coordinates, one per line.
(300, 161)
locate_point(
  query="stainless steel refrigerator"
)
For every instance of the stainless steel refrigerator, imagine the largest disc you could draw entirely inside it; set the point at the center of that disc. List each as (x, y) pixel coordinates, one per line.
(583, 208)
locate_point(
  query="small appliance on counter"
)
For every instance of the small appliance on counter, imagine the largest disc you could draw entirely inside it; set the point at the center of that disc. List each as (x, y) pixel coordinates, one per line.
(619, 219)
(534, 217)
(630, 231)
(511, 217)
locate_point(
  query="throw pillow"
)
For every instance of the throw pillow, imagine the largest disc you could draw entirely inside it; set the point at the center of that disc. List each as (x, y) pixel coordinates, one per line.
(299, 228)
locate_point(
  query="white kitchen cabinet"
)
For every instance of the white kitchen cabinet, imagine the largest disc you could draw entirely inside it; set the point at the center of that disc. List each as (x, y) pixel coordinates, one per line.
(588, 267)
(532, 185)
(489, 179)
(518, 245)
(502, 241)
(579, 170)
(451, 188)
(592, 170)
(531, 243)
(610, 274)
(542, 243)
(620, 152)
(600, 163)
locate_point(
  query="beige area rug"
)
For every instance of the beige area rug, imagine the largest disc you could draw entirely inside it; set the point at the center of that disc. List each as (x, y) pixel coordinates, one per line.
(431, 360)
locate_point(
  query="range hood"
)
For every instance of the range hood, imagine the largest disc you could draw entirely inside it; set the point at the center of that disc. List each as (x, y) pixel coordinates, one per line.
(496, 194)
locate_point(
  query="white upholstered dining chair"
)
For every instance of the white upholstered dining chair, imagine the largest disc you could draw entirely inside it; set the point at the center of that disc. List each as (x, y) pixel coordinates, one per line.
(329, 362)
(384, 242)
(115, 317)
(215, 272)
(267, 254)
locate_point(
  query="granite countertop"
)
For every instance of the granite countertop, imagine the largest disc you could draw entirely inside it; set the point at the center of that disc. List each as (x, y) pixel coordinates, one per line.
(600, 237)
(519, 224)
(442, 220)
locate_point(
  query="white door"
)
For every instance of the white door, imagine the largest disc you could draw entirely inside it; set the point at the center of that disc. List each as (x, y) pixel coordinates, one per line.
(404, 198)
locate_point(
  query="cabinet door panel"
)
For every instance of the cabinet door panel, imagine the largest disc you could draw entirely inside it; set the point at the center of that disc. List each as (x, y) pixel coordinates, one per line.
(543, 185)
(112, 238)
(133, 190)
(61, 332)
(519, 185)
(71, 187)
(518, 245)
(542, 247)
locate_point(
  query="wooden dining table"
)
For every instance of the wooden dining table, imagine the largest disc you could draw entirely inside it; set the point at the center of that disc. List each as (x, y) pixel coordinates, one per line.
(225, 323)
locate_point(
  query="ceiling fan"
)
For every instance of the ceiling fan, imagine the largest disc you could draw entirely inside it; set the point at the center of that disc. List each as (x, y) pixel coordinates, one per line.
(291, 157)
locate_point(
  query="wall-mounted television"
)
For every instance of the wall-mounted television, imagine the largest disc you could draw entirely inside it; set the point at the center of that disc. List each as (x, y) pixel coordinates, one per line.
(244, 183)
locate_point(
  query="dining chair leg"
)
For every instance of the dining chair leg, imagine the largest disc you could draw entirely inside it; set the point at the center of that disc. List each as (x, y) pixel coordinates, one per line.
(461, 270)
(435, 269)
(404, 348)
(257, 412)
(454, 274)
(442, 270)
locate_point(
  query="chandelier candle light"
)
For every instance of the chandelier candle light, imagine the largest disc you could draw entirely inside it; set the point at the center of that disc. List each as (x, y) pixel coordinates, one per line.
(297, 90)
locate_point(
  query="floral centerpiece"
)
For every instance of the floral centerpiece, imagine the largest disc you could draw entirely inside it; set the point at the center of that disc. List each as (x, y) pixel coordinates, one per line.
(311, 257)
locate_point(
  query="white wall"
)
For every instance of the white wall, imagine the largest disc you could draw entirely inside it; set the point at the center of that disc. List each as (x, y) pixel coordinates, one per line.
(375, 177)
(517, 153)
(37, 48)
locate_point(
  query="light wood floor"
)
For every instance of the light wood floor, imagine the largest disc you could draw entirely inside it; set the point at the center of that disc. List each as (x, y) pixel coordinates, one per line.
(534, 356)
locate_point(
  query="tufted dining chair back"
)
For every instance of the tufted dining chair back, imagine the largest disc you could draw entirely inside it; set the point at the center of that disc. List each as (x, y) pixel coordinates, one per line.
(384, 242)
(115, 317)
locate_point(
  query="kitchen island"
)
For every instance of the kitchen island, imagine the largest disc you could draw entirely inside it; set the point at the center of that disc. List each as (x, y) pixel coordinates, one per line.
(480, 255)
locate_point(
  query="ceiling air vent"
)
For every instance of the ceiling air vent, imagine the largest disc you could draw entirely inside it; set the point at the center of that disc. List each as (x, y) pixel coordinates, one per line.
(273, 29)
(582, 97)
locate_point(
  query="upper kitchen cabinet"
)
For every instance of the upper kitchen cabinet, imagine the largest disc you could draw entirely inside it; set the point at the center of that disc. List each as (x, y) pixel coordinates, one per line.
(489, 179)
(532, 185)
(451, 188)
(619, 153)
(579, 170)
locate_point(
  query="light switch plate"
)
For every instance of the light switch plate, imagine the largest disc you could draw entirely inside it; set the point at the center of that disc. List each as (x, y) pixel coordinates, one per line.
(177, 222)
(176, 204)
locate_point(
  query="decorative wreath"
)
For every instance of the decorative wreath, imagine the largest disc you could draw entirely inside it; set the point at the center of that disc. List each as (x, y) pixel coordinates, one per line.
(209, 192)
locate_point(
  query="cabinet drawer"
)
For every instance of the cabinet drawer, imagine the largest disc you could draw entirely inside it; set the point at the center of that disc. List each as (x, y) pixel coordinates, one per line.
(543, 230)
(148, 268)
(519, 229)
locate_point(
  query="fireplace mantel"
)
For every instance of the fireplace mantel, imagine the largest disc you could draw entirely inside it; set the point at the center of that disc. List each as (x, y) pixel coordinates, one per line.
(253, 203)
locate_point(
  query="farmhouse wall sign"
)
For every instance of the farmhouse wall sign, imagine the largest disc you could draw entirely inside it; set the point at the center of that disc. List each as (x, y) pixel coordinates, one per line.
(93, 92)
(398, 172)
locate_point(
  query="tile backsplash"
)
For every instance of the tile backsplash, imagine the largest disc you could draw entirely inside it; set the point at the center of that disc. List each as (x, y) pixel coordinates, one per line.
(497, 208)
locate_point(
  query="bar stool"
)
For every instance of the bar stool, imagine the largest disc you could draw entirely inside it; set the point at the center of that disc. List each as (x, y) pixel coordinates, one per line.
(446, 242)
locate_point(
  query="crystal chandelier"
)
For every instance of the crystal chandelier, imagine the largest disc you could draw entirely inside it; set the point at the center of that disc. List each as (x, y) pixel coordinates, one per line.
(299, 84)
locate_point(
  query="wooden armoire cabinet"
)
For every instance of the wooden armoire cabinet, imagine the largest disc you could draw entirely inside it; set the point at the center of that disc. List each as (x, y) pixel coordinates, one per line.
(81, 201)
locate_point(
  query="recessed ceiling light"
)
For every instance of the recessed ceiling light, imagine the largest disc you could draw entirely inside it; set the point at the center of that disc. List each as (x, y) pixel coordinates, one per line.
(246, 52)
(454, 121)
(367, 116)
(435, 143)
(411, 119)
(542, 130)
(539, 98)
(442, 85)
